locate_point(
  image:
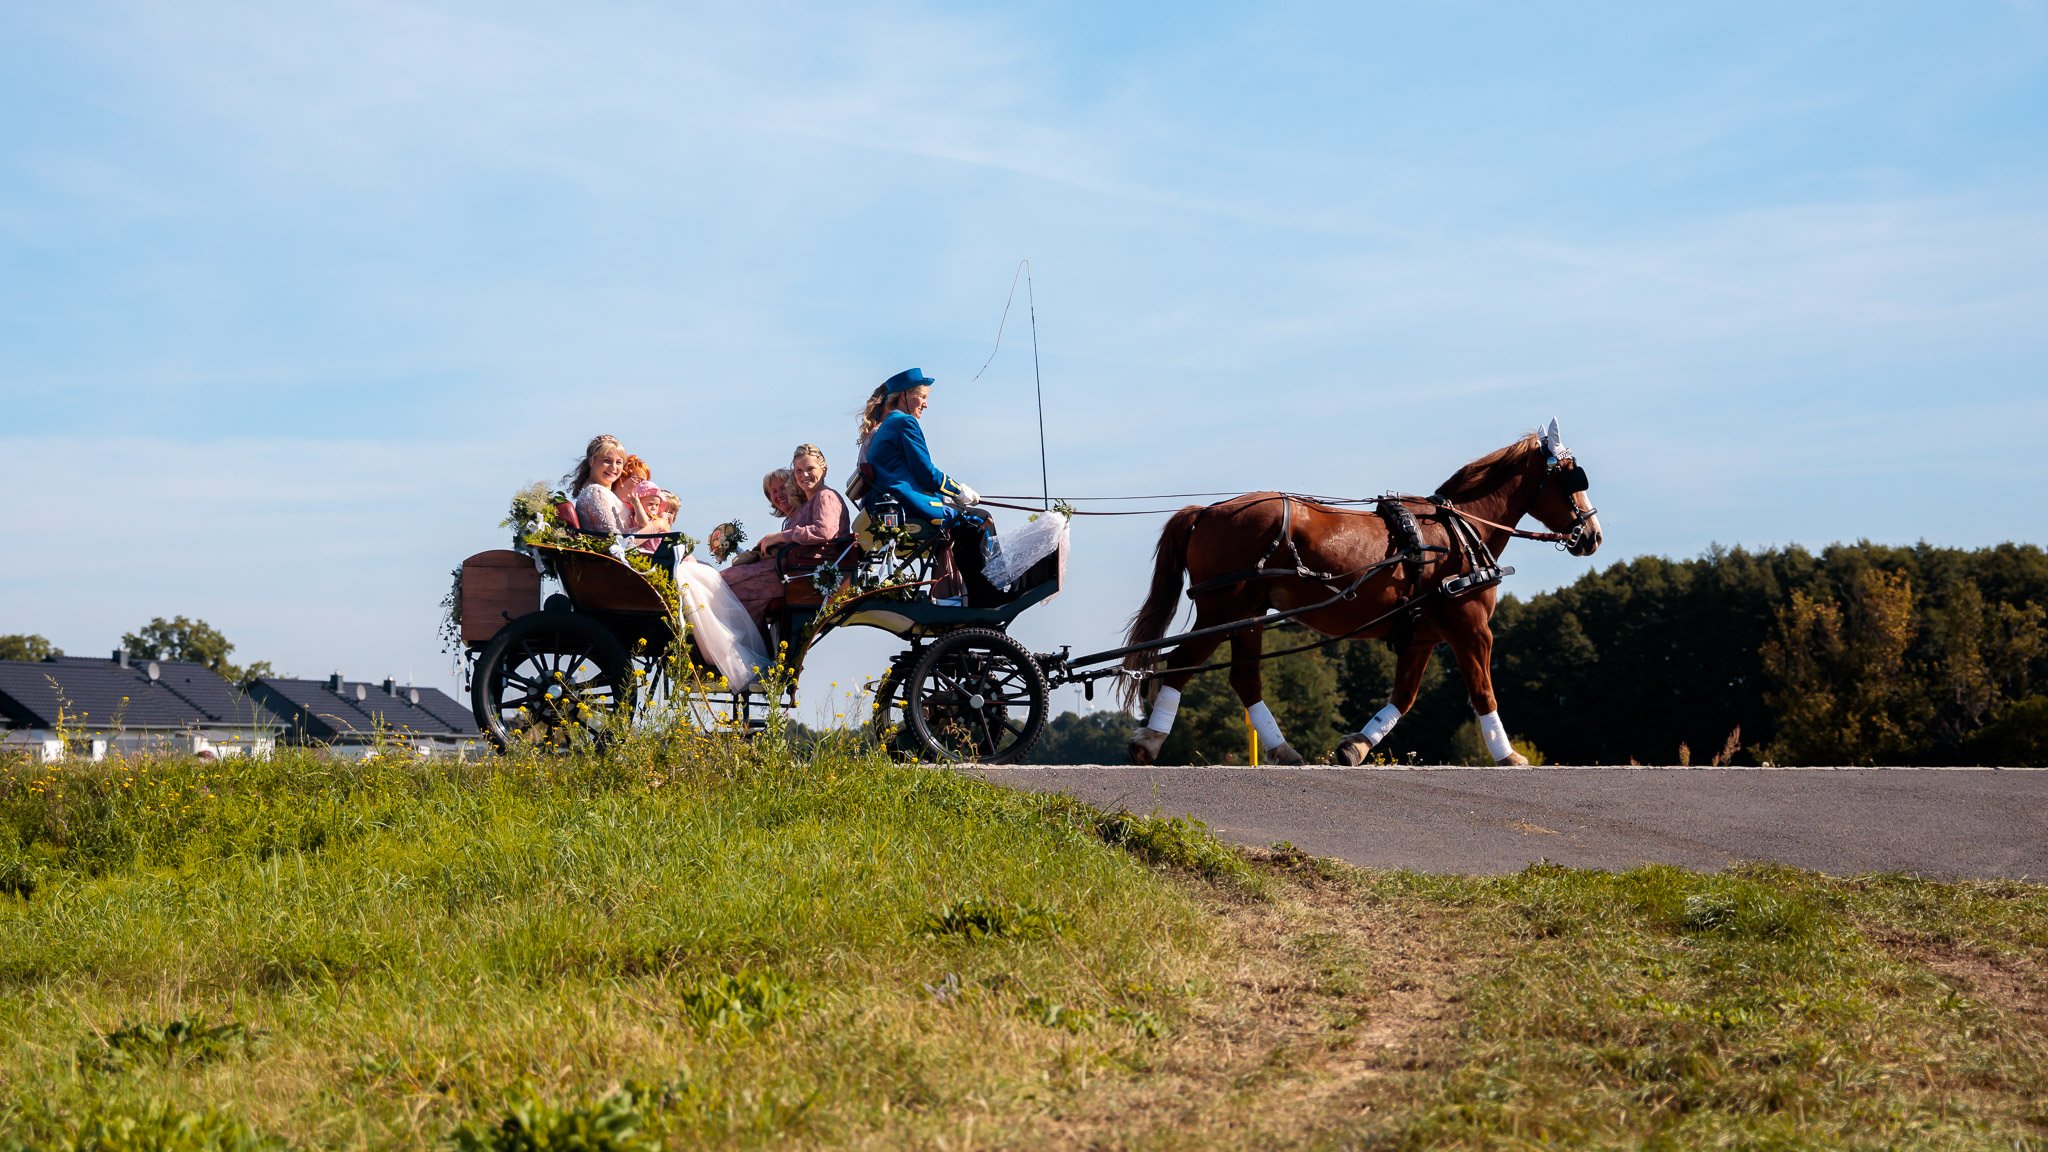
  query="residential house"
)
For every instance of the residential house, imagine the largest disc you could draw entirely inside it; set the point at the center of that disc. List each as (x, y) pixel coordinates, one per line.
(79, 706)
(354, 717)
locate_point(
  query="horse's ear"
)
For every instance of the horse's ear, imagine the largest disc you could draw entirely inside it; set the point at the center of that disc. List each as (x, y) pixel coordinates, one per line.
(1551, 440)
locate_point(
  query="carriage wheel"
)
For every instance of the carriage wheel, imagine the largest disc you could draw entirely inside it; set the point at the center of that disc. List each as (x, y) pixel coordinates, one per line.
(976, 695)
(888, 726)
(552, 679)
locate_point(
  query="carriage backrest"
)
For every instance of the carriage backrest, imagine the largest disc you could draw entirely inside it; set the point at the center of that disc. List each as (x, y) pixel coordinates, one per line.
(498, 586)
(599, 582)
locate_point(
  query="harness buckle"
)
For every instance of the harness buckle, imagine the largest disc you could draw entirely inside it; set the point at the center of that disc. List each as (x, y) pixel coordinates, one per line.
(1476, 579)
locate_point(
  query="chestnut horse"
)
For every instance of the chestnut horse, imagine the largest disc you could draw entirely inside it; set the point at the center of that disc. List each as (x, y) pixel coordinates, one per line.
(1270, 550)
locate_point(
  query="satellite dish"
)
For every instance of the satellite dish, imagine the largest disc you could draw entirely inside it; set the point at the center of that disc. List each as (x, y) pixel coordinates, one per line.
(154, 671)
(362, 693)
(412, 695)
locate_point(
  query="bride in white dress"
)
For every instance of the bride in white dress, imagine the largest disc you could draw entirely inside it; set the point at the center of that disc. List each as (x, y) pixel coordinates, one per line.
(718, 622)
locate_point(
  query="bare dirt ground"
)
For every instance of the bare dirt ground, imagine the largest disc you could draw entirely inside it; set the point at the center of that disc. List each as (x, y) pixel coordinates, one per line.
(1329, 1011)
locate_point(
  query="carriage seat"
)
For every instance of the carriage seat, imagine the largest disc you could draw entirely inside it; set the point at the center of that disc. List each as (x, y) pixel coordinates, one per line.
(798, 563)
(914, 531)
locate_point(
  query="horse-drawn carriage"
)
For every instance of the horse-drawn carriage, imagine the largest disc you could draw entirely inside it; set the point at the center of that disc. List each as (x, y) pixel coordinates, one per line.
(610, 645)
(1415, 570)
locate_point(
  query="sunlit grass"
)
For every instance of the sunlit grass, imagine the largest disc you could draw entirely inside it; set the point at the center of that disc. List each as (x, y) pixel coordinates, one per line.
(696, 940)
(416, 945)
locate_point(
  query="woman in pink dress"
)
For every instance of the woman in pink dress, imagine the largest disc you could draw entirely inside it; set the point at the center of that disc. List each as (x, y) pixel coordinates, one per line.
(819, 518)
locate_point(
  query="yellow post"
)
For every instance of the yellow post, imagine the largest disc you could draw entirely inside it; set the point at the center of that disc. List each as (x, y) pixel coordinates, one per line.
(1255, 737)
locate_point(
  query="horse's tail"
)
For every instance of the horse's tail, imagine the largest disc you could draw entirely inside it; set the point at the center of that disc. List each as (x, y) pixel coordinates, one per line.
(1169, 560)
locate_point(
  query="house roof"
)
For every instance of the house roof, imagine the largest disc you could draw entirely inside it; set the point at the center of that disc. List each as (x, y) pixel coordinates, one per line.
(104, 693)
(335, 710)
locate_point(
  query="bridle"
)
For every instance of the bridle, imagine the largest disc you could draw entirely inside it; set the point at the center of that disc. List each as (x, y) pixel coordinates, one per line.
(1570, 478)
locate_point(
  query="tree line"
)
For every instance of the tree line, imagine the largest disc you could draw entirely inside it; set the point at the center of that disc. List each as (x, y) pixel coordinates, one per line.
(1860, 654)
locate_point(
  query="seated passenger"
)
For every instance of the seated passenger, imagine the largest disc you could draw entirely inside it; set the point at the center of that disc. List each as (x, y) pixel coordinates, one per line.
(894, 457)
(817, 518)
(717, 623)
(779, 489)
(598, 507)
(627, 488)
(820, 514)
(657, 512)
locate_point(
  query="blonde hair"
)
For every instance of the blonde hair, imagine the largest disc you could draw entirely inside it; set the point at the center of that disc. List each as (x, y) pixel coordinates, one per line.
(878, 407)
(598, 444)
(803, 450)
(871, 414)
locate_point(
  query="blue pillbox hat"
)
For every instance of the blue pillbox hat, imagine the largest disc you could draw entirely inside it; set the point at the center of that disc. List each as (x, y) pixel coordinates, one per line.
(904, 381)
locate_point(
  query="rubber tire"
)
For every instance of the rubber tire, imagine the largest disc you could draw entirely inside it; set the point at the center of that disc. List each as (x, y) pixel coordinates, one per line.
(521, 661)
(976, 661)
(886, 727)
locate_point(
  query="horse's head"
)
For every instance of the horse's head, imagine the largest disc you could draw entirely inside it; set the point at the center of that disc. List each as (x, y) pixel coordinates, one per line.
(1561, 500)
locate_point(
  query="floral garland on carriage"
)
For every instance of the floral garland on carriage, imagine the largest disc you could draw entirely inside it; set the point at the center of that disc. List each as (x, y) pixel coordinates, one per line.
(535, 518)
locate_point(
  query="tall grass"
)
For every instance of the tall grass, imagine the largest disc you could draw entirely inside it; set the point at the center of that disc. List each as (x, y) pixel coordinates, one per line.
(728, 936)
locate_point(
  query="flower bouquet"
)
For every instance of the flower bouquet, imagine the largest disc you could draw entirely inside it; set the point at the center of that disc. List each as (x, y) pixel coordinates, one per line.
(534, 520)
(726, 540)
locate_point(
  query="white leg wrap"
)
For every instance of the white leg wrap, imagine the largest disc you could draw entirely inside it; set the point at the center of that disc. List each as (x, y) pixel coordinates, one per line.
(1164, 706)
(1267, 727)
(1496, 737)
(1382, 722)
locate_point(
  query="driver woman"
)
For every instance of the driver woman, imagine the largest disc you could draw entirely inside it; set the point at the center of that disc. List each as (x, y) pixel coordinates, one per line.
(896, 462)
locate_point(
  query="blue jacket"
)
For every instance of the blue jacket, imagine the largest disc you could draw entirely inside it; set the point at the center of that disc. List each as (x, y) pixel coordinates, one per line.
(903, 467)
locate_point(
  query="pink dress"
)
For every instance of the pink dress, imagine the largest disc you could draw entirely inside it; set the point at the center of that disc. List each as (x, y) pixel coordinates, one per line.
(821, 519)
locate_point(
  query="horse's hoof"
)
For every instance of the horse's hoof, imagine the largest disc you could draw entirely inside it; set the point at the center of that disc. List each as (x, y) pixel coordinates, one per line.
(1514, 760)
(1353, 749)
(1285, 756)
(1145, 745)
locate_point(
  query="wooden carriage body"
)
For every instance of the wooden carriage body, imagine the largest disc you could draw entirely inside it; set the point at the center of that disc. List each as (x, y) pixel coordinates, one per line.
(603, 645)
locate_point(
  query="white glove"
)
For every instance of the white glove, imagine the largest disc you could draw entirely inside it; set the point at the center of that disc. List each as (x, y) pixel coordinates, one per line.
(967, 498)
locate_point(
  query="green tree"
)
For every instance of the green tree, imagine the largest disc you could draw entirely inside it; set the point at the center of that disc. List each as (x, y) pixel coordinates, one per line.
(17, 646)
(1845, 694)
(1085, 738)
(191, 640)
(1981, 657)
(2017, 736)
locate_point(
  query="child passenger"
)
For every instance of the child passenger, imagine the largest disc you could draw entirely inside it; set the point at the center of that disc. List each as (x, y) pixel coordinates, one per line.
(657, 511)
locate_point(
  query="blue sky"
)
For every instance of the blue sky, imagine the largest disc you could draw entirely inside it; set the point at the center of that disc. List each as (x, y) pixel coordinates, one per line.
(292, 297)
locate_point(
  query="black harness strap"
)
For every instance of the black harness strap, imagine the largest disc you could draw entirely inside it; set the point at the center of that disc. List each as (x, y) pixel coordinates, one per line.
(1263, 571)
(1412, 603)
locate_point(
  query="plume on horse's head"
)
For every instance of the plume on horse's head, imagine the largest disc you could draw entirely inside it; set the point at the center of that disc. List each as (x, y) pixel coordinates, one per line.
(1491, 470)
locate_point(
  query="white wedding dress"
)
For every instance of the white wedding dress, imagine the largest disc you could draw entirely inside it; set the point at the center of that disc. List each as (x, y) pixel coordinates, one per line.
(718, 622)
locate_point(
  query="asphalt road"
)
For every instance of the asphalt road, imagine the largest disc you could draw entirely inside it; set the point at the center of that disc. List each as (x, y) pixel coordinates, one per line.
(1946, 823)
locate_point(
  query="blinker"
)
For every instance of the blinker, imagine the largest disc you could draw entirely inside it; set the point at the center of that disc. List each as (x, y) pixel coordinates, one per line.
(1572, 480)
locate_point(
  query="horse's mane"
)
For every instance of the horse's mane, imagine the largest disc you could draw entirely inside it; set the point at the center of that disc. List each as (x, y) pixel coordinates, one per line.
(1489, 471)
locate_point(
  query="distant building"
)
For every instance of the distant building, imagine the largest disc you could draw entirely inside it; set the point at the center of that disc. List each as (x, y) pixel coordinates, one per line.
(354, 718)
(78, 706)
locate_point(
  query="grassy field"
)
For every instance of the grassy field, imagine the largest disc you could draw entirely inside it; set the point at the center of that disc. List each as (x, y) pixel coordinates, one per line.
(696, 942)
